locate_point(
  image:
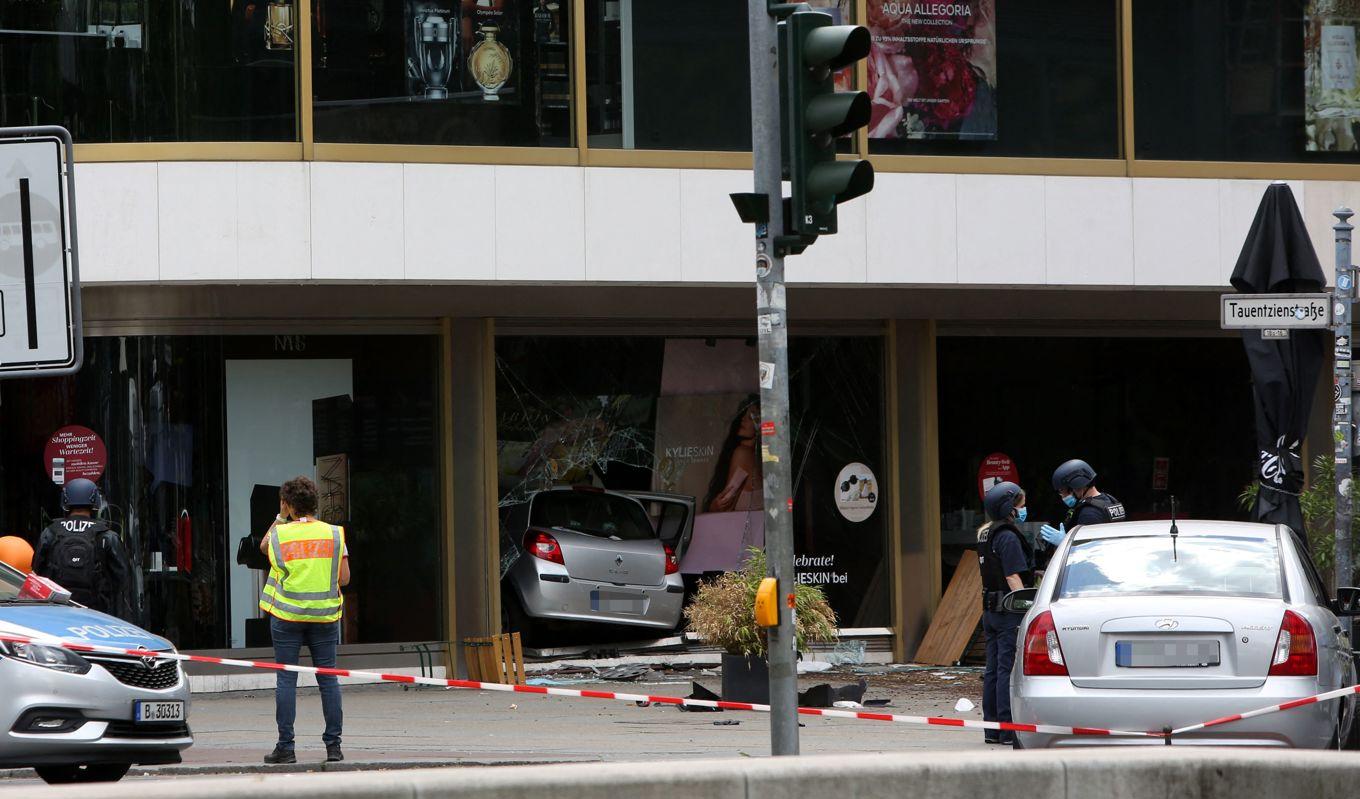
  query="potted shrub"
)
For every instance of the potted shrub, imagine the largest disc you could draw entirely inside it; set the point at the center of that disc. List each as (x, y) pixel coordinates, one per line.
(723, 613)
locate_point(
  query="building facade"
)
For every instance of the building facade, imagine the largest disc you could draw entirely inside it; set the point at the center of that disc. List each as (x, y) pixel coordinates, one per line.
(491, 250)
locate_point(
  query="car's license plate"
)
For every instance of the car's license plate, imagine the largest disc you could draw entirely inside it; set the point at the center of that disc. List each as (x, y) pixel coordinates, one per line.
(157, 711)
(1166, 654)
(613, 602)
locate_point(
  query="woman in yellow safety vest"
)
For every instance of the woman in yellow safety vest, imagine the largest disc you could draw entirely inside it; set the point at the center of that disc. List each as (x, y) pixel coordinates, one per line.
(308, 565)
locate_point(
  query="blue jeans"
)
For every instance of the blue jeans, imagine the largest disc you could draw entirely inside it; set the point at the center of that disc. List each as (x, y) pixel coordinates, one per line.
(321, 641)
(1000, 630)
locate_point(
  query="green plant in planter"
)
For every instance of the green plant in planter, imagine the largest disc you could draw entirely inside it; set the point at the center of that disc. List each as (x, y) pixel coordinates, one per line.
(723, 612)
(1318, 503)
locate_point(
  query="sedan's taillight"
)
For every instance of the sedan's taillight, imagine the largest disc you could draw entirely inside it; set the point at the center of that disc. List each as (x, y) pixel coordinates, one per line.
(543, 546)
(672, 562)
(1043, 652)
(1295, 648)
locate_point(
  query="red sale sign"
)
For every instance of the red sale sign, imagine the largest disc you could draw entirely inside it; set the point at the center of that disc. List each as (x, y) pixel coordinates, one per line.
(996, 468)
(74, 451)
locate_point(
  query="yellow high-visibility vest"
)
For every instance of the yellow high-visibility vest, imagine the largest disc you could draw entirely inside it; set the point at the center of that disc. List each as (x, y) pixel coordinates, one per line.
(304, 572)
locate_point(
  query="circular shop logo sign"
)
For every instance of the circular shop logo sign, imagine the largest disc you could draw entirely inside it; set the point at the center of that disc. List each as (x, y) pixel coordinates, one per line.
(74, 451)
(856, 492)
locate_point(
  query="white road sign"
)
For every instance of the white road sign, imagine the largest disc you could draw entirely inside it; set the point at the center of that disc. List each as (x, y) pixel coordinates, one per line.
(40, 329)
(1276, 311)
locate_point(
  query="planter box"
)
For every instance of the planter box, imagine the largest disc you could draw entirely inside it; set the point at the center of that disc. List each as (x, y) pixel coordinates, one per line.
(745, 679)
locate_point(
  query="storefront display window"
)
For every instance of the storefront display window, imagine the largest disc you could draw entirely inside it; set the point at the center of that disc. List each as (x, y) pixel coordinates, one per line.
(1011, 78)
(672, 76)
(681, 416)
(197, 433)
(1254, 81)
(151, 70)
(1184, 428)
(469, 72)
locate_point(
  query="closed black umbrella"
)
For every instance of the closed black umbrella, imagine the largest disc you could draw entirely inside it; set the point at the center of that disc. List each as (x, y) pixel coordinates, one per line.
(1278, 258)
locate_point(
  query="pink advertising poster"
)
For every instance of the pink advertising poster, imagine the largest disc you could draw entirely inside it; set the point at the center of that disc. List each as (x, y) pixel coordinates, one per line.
(932, 70)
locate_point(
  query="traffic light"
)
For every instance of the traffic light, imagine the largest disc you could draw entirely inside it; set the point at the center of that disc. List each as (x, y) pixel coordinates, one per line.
(814, 115)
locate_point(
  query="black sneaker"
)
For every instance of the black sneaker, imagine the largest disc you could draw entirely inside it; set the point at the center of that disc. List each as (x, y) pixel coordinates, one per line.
(280, 756)
(333, 753)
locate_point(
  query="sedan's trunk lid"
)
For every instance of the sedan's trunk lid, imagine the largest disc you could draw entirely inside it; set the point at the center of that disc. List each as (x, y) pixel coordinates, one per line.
(1168, 642)
(606, 560)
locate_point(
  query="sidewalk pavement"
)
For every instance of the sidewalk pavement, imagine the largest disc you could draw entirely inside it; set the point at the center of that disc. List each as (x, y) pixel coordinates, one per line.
(387, 726)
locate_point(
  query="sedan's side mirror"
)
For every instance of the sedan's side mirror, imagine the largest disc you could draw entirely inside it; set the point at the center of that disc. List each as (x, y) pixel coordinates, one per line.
(1021, 601)
(1348, 601)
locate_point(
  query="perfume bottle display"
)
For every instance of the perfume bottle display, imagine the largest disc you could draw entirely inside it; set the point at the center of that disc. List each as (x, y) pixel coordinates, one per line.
(279, 27)
(490, 63)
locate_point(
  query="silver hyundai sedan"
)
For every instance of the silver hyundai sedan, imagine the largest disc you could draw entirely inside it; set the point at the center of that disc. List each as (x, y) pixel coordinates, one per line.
(1135, 629)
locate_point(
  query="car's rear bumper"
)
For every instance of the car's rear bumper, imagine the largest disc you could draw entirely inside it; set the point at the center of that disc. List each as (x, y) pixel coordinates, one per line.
(571, 601)
(107, 734)
(1056, 701)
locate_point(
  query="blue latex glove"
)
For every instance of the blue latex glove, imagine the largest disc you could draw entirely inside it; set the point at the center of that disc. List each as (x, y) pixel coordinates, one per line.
(1053, 536)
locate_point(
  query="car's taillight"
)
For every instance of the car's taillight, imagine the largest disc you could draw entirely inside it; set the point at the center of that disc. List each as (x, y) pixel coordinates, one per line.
(1043, 652)
(1295, 648)
(541, 545)
(672, 563)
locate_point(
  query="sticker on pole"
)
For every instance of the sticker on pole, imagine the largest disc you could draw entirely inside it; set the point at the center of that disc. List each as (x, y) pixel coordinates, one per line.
(40, 330)
(856, 492)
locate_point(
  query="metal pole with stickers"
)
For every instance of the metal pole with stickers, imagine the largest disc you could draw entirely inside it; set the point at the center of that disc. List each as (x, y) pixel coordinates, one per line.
(1343, 298)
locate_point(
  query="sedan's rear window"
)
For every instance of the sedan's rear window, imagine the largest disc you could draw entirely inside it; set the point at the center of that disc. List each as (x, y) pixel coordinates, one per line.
(1209, 565)
(603, 515)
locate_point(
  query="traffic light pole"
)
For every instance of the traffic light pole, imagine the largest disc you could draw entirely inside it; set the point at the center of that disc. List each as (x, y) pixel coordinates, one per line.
(771, 325)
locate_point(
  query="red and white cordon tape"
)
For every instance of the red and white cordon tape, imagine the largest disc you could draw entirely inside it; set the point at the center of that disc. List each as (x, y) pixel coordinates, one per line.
(1265, 711)
(931, 721)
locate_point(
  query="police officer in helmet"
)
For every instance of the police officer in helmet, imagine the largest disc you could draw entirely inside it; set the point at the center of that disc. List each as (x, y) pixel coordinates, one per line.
(1007, 563)
(1075, 483)
(83, 554)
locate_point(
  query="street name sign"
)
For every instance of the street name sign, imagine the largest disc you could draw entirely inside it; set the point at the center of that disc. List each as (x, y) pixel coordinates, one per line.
(1276, 311)
(40, 327)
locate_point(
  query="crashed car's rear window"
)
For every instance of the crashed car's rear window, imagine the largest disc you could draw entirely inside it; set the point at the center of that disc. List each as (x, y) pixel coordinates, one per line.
(1208, 565)
(603, 515)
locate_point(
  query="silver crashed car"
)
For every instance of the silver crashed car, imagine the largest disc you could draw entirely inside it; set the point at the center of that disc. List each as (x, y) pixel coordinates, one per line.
(84, 717)
(584, 554)
(1133, 629)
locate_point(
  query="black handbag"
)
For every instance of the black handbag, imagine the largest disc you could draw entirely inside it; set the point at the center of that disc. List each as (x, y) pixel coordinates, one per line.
(248, 553)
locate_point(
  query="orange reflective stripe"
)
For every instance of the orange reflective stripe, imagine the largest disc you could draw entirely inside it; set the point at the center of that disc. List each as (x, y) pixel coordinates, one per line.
(306, 550)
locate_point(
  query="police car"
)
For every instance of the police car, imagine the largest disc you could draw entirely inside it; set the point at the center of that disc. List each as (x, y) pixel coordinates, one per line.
(84, 717)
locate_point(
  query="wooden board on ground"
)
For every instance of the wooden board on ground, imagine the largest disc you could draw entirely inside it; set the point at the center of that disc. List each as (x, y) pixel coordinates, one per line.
(498, 658)
(957, 618)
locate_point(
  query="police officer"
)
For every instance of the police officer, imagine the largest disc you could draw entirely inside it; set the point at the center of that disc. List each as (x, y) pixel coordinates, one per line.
(308, 564)
(83, 555)
(1075, 483)
(1007, 563)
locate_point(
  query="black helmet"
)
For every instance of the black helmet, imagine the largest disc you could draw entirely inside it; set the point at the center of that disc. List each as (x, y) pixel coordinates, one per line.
(1001, 499)
(80, 493)
(1073, 475)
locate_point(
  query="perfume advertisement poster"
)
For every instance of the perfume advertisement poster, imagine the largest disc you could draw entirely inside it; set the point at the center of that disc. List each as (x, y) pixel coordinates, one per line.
(492, 54)
(432, 49)
(1332, 98)
(932, 70)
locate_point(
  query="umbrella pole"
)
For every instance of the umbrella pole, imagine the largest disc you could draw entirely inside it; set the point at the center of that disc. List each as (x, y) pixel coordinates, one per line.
(1344, 294)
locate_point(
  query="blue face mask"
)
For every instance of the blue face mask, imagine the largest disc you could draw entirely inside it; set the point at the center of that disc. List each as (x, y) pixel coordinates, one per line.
(1070, 500)
(1021, 514)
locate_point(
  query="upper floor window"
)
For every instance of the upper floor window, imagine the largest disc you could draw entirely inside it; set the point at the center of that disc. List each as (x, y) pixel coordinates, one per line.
(151, 70)
(469, 72)
(1244, 80)
(1036, 78)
